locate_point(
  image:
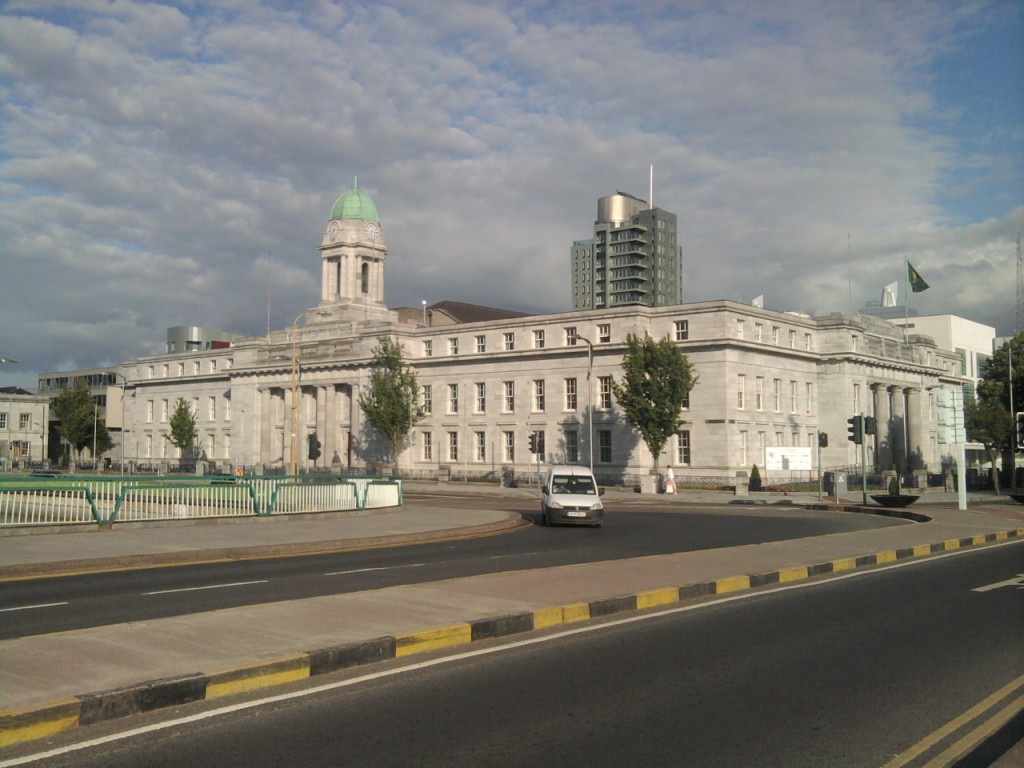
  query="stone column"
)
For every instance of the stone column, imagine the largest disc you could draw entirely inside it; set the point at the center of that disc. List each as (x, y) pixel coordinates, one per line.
(915, 428)
(899, 428)
(883, 443)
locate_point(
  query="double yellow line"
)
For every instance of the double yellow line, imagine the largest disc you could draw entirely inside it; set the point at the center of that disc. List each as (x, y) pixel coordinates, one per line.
(995, 708)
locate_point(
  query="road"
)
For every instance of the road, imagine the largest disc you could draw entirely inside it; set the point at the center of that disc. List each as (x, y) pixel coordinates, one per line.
(852, 671)
(37, 606)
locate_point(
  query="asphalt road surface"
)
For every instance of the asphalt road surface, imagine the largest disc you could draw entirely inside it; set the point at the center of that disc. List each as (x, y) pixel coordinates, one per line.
(38, 606)
(851, 671)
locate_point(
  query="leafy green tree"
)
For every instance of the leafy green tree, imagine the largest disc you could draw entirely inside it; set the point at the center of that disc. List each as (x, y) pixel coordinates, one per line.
(183, 427)
(75, 409)
(658, 378)
(988, 417)
(391, 403)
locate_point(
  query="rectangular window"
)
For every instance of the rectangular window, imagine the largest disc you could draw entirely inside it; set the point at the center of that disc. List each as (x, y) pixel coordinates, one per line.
(24, 421)
(213, 366)
(810, 397)
(150, 372)
(427, 400)
(780, 439)
(453, 446)
(856, 398)
(807, 342)
(759, 393)
(760, 446)
(428, 446)
(481, 445)
(195, 367)
(605, 384)
(481, 397)
(570, 336)
(604, 333)
(757, 331)
(775, 335)
(453, 346)
(539, 435)
(538, 395)
(604, 446)
(508, 443)
(777, 395)
(227, 410)
(682, 330)
(149, 411)
(3, 421)
(212, 409)
(740, 324)
(792, 339)
(686, 402)
(163, 411)
(481, 344)
(453, 398)
(793, 388)
(683, 448)
(743, 448)
(570, 394)
(181, 369)
(428, 348)
(510, 397)
(572, 446)
(741, 391)
(166, 370)
(509, 340)
(538, 339)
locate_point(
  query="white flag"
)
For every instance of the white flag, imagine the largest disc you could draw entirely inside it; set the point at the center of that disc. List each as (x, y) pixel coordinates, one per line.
(758, 302)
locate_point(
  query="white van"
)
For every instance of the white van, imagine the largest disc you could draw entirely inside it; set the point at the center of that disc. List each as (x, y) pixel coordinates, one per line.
(570, 495)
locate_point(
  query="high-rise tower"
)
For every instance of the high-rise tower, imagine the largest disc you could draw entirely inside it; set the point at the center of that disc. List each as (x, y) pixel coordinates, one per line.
(634, 257)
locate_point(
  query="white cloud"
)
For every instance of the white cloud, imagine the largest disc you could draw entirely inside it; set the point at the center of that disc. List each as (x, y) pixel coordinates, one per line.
(155, 158)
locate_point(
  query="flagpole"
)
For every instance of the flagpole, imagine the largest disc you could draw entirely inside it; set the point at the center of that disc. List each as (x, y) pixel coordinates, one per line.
(906, 299)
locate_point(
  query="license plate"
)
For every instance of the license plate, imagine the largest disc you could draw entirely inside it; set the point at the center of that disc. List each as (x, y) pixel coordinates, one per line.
(576, 513)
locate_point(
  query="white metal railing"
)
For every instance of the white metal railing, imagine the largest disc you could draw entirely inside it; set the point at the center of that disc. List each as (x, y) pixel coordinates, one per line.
(68, 500)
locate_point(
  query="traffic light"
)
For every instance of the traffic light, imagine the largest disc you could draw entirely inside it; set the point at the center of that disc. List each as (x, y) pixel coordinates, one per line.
(533, 442)
(314, 446)
(1020, 430)
(870, 425)
(856, 429)
(823, 439)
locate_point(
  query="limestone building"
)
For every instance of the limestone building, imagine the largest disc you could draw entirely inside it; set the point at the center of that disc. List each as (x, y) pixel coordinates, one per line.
(489, 380)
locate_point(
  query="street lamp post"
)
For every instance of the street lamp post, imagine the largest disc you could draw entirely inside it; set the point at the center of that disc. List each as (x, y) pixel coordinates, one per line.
(295, 386)
(590, 394)
(7, 453)
(124, 386)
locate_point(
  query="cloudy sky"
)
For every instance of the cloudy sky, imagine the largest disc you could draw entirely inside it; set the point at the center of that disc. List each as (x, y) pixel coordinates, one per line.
(164, 163)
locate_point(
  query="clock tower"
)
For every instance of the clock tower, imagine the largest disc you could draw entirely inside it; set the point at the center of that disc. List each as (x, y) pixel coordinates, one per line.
(352, 254)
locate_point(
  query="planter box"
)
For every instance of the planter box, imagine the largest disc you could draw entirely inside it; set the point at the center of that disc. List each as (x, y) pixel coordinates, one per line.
(887, 500)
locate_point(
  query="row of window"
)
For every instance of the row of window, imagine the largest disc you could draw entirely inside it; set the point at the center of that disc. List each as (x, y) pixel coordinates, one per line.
(539, 338)
(212, 410)
(538, 396)
(194, 367)
(480, 449)
(24, 421)
(775, 334)
(211, 445)
(775, 395)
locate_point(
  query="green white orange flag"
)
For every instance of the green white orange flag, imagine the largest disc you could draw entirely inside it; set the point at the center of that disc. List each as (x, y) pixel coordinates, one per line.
(917, 283)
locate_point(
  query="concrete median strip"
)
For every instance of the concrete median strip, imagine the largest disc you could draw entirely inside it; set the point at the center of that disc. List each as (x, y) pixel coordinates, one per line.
(21, 725)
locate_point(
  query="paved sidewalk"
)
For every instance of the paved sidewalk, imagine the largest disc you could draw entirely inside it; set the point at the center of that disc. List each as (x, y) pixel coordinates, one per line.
(128, 668)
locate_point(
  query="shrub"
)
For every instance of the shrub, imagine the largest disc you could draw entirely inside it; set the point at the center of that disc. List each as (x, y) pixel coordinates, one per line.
(755, 479)
(894, 486)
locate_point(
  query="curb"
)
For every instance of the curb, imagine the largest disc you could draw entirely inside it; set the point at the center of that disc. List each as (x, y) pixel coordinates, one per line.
(22, 725)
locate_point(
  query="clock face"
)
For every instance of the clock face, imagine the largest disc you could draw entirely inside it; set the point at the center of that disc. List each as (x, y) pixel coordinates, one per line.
(372, 231)
(333, 229)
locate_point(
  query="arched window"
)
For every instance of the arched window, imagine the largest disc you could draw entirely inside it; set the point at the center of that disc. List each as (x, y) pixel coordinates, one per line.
(365, 278)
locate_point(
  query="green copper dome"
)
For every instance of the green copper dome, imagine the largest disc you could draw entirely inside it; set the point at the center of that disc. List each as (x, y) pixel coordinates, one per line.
(355, 205)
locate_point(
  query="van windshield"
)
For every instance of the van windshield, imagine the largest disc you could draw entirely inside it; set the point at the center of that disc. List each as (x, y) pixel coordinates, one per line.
(577, 484)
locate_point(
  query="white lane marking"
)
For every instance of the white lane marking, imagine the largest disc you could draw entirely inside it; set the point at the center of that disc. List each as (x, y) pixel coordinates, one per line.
(209, 586)
(31, 607)
(1017, 582)
(381, 568)
(380, 675)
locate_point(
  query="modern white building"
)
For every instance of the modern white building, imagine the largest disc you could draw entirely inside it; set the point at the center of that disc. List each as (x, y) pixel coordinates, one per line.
(23, 428)
(766, 379)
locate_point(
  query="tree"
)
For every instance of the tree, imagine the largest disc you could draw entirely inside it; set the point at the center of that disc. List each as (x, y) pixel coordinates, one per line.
(988, 418)
(658, 378)
(183, 427)
(755, 479)
(75, 409)
(391, 404)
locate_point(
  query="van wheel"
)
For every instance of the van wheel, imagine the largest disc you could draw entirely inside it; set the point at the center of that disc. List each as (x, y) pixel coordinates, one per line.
(544, 518)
